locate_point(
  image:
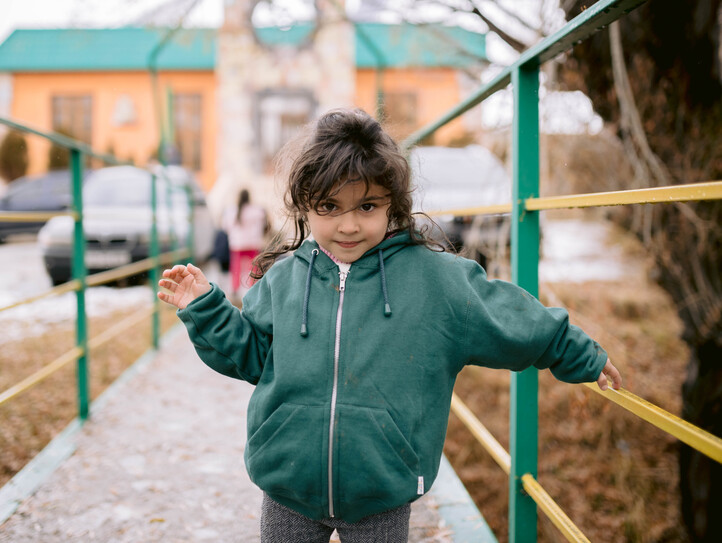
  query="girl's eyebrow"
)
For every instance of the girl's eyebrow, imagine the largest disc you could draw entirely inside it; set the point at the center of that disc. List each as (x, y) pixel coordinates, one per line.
(369, 198)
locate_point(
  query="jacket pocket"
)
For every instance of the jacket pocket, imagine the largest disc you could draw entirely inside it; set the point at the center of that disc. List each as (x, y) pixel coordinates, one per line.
(284, 455)
(377, 467)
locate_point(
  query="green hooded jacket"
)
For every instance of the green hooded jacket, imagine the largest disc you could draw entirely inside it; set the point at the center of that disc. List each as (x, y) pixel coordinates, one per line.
(354, 384)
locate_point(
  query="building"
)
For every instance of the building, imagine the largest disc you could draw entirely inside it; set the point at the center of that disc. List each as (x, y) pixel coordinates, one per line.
(228, 98)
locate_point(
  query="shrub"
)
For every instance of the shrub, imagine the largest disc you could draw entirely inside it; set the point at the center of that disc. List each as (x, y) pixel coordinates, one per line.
(13, 155)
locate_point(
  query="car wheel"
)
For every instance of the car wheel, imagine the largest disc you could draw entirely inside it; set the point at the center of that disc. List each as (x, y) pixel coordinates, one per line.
(56, 280)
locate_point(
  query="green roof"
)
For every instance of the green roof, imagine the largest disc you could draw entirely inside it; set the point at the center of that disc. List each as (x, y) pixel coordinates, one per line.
(125, 49)
(407, 45)
(96, 49)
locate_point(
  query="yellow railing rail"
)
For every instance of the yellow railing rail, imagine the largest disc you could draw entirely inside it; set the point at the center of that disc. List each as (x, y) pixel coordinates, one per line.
(555, 513)
(46, 371)
(480, 432)
(496, 209)
(657, 195)
(73, 354)
(690, 434)
(104, 277)
(712, 190)
(117, 329)
(34, 216)
(70, 286)
(502, 457)
(139, 266)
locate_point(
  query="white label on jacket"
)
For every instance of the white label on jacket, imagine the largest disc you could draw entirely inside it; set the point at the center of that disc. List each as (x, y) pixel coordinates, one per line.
(420, 487)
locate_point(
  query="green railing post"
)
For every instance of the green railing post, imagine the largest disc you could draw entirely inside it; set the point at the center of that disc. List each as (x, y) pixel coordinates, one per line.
(170, 207)
(154, 275)
(79, 273)
(191, 222)
(523, 430)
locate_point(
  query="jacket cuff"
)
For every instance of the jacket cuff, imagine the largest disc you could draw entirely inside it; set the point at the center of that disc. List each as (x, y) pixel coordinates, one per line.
(205, 301)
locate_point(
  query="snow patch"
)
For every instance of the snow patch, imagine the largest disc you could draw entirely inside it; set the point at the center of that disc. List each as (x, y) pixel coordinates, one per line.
(34, 319)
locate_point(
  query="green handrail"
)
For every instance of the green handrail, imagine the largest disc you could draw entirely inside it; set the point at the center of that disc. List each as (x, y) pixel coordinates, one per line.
(79, 274)
(81, 280)
(523, 431)
(523, 75)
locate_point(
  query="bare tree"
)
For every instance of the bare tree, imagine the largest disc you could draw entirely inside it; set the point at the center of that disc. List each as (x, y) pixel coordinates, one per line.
(668, 117)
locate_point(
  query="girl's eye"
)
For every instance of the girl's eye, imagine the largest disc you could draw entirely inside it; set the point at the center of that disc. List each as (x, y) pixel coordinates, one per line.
(327, 207)
(367, 207)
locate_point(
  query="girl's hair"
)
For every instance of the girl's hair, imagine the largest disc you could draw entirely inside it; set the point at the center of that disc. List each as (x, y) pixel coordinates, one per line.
(243, 198)
(343, 146)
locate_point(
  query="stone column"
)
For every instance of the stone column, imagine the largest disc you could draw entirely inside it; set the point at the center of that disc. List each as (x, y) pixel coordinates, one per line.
(324, 68)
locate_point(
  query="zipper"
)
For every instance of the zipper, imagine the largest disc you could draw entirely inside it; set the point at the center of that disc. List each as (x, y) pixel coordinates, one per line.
(334, 391)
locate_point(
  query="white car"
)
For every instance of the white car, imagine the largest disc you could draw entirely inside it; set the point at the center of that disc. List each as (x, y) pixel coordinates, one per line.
(117, 219)
(446, 178)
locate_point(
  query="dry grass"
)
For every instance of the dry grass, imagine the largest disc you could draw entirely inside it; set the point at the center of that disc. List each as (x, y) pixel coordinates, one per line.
(30, 420)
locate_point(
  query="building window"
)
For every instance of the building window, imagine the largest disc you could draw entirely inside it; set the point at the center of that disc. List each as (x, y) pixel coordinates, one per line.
(187, 126)
(399, 113)
(125, 112)
(279, 116)
(72, 115)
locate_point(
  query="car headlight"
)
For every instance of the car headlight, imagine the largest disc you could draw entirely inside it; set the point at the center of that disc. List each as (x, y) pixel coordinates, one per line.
(58, 231)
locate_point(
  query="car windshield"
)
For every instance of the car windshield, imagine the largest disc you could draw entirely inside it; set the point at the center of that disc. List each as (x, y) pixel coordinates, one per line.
(457, 178)
(118, 187)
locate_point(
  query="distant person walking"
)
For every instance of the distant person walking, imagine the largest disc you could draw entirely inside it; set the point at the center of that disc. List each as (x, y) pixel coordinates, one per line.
(246, 237)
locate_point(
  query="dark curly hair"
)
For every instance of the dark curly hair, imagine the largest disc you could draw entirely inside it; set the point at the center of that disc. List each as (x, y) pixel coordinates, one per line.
(342, 146)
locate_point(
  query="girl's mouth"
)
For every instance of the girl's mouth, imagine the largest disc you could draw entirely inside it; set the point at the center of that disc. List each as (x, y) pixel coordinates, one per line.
(347, 244)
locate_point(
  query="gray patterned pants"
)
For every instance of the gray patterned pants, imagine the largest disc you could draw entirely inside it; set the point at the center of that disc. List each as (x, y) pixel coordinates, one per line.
(279, 524)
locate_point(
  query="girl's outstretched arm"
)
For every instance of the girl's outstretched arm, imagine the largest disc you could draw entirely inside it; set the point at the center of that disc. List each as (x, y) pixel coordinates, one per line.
(185, 284)
(609, 371)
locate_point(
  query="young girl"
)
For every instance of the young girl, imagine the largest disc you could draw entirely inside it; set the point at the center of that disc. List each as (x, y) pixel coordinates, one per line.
(354, 343)
(246, 228)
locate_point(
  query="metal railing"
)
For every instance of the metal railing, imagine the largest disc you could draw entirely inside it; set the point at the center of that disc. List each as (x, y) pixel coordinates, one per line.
(81, 280)
(520, 463)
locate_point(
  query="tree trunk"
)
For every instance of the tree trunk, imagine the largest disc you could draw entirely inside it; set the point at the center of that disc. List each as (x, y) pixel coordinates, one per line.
(700, 476)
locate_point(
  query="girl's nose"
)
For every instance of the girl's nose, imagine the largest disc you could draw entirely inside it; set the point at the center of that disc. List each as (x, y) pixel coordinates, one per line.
(348, 224)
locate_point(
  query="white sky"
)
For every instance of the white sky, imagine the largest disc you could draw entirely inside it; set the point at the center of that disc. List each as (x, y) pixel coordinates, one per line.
(81, 13)
(206, 13)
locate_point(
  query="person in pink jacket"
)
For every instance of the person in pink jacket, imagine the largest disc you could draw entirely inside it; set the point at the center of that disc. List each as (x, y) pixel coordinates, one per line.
(246, 230)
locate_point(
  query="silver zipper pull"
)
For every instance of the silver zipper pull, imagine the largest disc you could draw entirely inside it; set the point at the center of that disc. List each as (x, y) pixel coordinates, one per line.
(342, 277)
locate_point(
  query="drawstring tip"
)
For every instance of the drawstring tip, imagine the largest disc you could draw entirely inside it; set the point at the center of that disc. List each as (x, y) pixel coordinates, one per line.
(387, 310)
(304, 330)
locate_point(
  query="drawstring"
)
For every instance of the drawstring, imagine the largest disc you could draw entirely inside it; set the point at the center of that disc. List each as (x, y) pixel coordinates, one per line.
(306, 295)
(387, 306)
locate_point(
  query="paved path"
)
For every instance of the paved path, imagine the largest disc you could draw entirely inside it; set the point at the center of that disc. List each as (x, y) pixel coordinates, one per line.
(162, 460)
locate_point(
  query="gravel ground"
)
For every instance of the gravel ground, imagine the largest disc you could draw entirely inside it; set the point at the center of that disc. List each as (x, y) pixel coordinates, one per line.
(162, 460)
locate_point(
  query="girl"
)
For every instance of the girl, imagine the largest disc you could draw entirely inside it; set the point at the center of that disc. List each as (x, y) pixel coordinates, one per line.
(354, 343)
(246, 228)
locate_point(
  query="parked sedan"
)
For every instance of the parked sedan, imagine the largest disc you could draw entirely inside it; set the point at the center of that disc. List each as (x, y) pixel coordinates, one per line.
(457, 178)
(48, 192)
(117, 219)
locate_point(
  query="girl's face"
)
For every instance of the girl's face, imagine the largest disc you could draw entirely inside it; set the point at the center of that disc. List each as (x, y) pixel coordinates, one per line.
(351, 221)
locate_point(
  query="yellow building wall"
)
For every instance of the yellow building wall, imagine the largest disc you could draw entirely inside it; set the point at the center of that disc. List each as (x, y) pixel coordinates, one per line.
(32, 105)
(437, 91)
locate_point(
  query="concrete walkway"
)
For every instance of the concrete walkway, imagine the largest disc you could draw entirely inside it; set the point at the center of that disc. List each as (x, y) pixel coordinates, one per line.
(161, 459)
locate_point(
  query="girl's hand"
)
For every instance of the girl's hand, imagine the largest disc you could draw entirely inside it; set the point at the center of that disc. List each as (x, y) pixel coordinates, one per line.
(185, 284)
(609, 372)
